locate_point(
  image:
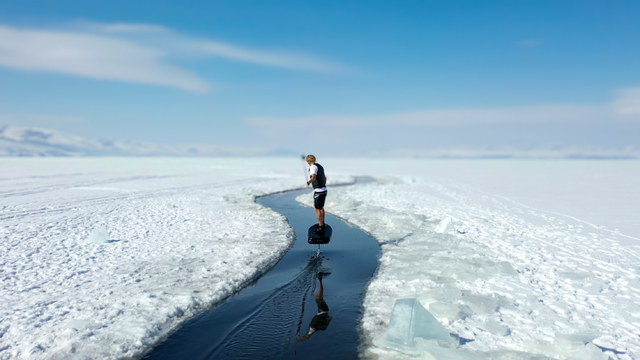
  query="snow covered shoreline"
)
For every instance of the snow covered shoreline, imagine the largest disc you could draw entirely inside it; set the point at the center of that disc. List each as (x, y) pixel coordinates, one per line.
(184, 234)
(522, 283)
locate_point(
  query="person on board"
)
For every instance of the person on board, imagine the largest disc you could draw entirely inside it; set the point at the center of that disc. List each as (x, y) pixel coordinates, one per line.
(318, 179)
(322, 319)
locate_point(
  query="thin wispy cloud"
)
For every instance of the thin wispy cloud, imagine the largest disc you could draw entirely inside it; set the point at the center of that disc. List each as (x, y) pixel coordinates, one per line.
(627, 103)
(175, 42)
(281, 60)
(135, 53)
(536, 125)
(439, 118)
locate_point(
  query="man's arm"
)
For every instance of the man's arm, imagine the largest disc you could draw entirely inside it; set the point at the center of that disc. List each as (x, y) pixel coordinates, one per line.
(313, 177)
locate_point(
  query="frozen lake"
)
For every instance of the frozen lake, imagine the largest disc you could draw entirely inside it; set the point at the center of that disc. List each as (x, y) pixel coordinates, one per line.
(527, 258)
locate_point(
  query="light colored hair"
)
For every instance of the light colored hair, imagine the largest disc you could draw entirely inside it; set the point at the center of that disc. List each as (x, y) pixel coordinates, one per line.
(311, 159)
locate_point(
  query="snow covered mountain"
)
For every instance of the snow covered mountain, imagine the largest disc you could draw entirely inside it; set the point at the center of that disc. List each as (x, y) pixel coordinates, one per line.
(30, 141)
(20, 141)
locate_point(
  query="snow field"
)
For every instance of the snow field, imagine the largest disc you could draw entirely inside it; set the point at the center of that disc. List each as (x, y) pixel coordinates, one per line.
(520, 282)
(183, 235)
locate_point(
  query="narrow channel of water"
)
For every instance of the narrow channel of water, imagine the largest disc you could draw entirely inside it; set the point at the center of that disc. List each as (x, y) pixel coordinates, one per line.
(271, 318)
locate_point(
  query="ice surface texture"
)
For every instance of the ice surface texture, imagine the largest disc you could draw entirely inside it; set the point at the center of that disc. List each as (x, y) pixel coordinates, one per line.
(517, 281)
(183, 234)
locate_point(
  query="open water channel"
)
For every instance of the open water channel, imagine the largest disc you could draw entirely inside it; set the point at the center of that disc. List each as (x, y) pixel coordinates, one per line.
(271, 318)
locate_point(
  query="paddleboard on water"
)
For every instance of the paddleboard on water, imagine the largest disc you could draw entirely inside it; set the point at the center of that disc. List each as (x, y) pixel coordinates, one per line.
(316, 237)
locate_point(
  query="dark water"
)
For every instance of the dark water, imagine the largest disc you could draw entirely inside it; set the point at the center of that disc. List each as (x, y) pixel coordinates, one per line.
(268, 319)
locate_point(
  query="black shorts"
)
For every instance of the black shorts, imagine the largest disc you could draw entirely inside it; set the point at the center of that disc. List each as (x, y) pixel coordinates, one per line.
(322, 306)
(320, 321)
(318, 199)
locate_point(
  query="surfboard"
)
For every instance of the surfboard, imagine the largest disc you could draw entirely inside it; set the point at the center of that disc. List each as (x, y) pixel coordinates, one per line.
(322, 238)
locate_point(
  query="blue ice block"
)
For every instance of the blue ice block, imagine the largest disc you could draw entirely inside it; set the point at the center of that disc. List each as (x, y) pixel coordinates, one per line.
(409, 320)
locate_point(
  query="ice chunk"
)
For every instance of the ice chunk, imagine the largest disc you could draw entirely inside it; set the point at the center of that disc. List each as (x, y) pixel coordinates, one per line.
(448, 310)
(495, 328)
(506, 268)
(98, 235)
(417, 219)
(444, 226)
(564, 348)
(582, 336)
(590, 352)
(480, 304)
(409, 320)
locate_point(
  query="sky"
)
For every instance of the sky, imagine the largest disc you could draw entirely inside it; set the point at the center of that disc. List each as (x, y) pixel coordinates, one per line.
(327, 77)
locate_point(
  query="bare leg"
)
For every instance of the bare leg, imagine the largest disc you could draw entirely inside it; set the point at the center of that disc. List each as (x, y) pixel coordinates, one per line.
(321, 291)
(320, 214)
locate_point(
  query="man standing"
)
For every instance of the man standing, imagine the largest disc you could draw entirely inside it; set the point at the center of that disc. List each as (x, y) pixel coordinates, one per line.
(318, 179)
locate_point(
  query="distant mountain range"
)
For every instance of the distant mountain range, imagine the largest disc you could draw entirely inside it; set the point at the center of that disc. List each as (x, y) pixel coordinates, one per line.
(30, 141)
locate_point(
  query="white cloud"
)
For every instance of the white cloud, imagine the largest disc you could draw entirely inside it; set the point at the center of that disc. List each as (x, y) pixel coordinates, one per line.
(136, 53)
(92, 56)
(627, 103)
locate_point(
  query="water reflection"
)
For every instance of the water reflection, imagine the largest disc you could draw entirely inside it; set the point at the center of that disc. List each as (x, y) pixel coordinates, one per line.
(322, 319)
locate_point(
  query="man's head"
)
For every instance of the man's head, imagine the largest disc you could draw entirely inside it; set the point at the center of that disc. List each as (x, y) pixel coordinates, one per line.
(311, 159)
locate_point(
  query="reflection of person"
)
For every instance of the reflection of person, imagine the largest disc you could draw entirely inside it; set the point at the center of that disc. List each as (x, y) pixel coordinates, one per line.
(322, 319)
(319, 181)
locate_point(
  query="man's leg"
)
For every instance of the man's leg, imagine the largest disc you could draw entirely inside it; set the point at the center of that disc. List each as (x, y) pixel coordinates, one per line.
(320, 215)
(321, 291)
(318, 204)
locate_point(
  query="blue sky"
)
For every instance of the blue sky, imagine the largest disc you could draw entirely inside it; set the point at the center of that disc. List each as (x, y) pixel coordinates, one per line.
(330, 77)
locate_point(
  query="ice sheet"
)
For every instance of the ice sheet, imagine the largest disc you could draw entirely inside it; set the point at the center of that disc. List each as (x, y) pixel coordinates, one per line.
(520, 281)
(525, 271)
(101, 258)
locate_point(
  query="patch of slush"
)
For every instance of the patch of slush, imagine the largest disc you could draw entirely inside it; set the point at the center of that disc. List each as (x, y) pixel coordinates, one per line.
(510, 281)
(102, 258)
